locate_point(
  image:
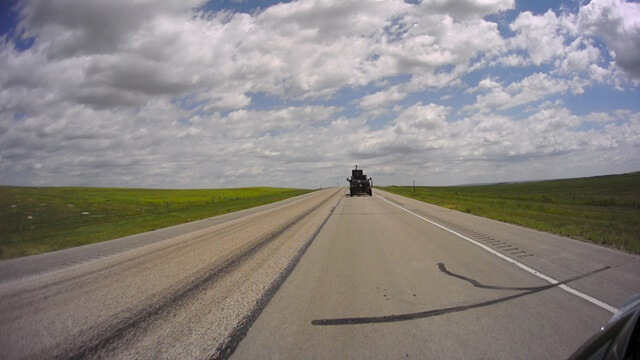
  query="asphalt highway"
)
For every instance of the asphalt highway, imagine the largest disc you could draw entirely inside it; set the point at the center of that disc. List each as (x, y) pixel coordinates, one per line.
(321, 276)
(188, 296)
(389, 278)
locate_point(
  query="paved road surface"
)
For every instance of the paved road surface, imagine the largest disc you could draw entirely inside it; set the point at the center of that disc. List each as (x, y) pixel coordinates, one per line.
(185, 297)
(377, 277)
(382, 281)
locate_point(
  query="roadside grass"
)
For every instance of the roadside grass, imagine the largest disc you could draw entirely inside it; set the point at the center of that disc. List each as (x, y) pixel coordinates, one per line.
(38, 220)
(602, 209)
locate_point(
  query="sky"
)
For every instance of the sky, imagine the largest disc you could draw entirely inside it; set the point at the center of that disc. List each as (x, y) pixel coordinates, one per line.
(231, 93)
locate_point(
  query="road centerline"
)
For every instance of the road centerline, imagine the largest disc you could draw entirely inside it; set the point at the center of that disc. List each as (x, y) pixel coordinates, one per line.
(549, 279)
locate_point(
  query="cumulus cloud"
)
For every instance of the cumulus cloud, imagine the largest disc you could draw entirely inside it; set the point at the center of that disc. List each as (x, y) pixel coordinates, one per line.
(72, 28)
(568, 39)
(381, 98)
(538, 35)
(579, 57)
(415, 130)
(618, 23)
(530, 89)
(468, 8)
(166, 94)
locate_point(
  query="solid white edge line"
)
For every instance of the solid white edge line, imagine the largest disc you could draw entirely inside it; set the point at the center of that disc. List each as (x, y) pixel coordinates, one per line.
(518, 264)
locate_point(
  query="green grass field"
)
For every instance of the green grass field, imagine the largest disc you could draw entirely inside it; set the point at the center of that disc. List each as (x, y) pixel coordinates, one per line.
(603, 209)
(38, 220)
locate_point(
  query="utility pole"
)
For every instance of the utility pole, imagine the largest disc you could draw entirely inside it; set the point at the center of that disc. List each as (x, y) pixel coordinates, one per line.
(414, 186)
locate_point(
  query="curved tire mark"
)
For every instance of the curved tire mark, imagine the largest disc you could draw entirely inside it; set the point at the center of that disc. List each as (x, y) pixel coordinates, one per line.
(437, 312)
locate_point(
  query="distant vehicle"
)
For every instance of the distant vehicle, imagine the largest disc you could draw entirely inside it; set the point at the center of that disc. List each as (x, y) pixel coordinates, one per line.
(359, 184)
(619, 339)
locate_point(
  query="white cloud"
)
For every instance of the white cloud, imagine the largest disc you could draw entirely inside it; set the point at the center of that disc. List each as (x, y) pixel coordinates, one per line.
(420, 118)
(252, 124)
(618, 23)
(381, 98)
(131, 93)
(77, 27)
(467, 8)
(530, 89)
(567, 39)
(225, 101)
(538, 35)
(579, 57)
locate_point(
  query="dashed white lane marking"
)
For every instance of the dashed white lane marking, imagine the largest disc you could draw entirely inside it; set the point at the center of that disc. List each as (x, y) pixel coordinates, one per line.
(518, 264)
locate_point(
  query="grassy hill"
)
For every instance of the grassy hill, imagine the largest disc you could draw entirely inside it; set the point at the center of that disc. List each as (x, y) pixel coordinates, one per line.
(37, 220)
(602, 209)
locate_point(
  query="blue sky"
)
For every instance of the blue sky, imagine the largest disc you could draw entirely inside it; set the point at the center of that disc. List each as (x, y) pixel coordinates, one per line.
(195, 94)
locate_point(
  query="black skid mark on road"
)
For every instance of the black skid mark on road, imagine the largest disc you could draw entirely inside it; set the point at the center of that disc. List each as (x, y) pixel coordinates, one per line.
(437, 312)
(482, 286)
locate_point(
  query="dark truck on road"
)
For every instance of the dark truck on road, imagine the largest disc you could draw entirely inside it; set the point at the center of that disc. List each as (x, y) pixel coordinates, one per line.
(359, 184)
